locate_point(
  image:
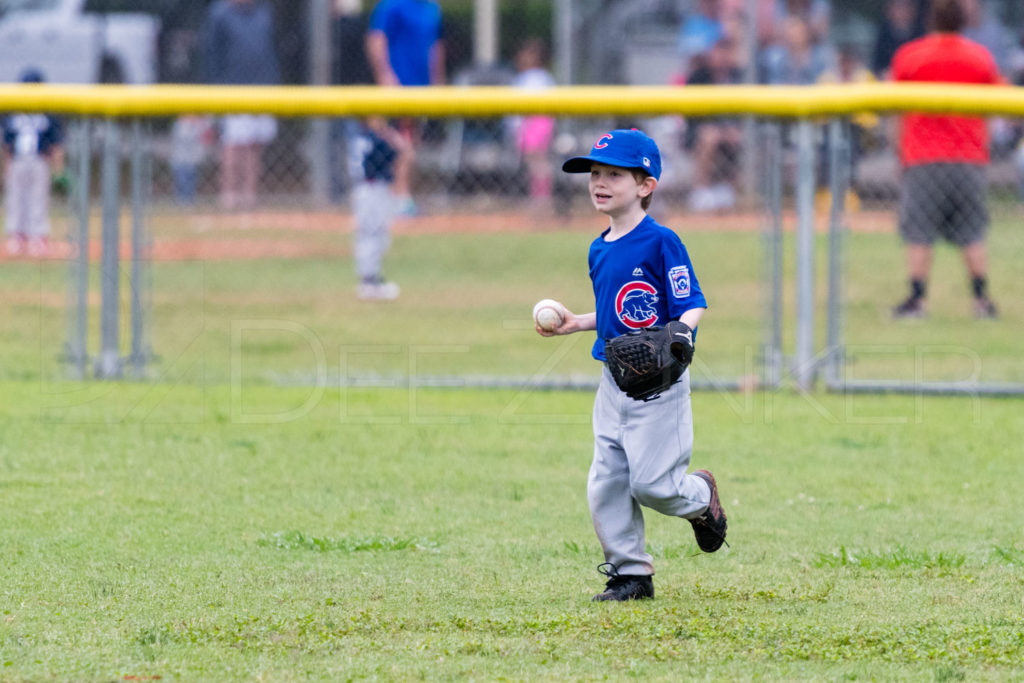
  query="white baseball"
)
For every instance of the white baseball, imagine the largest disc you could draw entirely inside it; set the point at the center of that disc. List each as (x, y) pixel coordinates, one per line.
(547, 313)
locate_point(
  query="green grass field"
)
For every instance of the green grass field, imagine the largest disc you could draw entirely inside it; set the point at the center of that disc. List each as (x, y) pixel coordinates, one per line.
(244, 516)
(446, 537)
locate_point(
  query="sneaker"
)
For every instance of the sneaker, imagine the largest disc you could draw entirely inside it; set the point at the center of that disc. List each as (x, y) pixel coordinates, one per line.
(622, 587)
(15, 244)
(38, 247)
(709, 528)
(378, 291)
(911, 308)
(985, 309)
(407, 207)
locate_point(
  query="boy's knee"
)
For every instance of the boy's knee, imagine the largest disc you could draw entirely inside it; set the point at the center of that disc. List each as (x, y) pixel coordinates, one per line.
(650, 494)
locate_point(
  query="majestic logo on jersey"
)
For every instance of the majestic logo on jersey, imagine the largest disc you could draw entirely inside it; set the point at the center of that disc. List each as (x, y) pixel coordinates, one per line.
(634, 304)
(601, 144)
(680, 278)
(638, 272)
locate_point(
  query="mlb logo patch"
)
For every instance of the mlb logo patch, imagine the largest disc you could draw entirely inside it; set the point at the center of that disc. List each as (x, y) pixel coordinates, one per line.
(680, 278)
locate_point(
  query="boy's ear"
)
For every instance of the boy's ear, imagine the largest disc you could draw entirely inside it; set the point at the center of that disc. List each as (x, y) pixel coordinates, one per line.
(647, 185)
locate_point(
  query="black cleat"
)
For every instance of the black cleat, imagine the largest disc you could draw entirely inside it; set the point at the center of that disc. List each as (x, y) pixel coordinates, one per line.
(985, 309)
(910, 308)
(622, 587)
(709, 528)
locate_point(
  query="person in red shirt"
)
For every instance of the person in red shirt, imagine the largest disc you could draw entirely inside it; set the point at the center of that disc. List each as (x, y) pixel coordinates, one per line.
(944, 160)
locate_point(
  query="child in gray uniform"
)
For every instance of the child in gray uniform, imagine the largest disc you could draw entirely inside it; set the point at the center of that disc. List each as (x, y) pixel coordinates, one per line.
(373, 155)
(32, 152)
(642, 276)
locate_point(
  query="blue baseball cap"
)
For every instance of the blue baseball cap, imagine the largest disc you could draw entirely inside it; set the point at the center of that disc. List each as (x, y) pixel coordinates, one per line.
(32, 75)
(623, 148)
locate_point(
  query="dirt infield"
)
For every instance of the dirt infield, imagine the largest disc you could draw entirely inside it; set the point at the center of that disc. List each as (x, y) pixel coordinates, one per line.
(300, 234)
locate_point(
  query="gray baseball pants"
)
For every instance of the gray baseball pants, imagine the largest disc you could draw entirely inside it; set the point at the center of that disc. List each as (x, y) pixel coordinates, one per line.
(27, 195)
(374, 208)
(641, 452)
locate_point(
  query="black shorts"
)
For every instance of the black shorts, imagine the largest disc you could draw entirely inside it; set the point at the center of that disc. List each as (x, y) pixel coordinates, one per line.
(943, 200)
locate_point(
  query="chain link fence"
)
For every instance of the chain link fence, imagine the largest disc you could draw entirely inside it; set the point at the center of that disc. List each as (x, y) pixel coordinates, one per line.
(803, 265)
(139, 309)
(770, 209)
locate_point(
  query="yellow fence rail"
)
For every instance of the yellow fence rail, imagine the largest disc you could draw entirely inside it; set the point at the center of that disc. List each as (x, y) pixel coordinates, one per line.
(336, 101)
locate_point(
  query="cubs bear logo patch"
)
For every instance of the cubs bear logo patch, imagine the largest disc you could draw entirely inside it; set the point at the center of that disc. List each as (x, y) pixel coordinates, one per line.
(634, 304)
(680, 278)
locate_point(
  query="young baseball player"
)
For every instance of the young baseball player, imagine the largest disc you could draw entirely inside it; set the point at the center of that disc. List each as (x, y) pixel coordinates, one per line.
(372, 155)
(32, 153)
(642, 277)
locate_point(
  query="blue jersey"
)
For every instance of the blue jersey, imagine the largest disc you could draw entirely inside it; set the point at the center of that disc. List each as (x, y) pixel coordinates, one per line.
(643, 278)
(30, 134)
(412, 27)
(374, 158)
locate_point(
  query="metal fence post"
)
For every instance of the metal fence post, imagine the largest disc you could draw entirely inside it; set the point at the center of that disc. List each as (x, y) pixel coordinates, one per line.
(562, 39)
(77, 349)
(140, 178)
(803, 367)
(772, 236)
(839, 181)
(108, 364)
(319, 144)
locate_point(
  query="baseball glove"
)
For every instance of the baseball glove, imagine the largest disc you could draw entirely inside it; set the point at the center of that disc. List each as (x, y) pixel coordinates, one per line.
(646, 362)
(60, 185)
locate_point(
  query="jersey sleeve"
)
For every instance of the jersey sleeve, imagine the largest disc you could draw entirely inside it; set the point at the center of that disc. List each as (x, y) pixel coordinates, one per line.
(381, 17)
(682, 290)
(54, 134)
(8, 132)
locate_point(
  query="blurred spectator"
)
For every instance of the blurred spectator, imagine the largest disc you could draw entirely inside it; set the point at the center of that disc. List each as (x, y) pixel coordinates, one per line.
(1016, 76)
(772, 15)
(983, 28)
(816, 14)
(715, 142)
(944, 160)
(901, 23)
(533, 133)
(349, 66)
(796, 59)
(191, 135)
(239, 50)
(850, 68)
(33, 157)
(377, 147)
(405, 47)
(986, 29)
(765, 21)
(701, 29)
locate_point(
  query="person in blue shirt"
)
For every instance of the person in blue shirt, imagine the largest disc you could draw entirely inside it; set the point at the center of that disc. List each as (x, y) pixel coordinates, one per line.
(642, 276)
(405, 46)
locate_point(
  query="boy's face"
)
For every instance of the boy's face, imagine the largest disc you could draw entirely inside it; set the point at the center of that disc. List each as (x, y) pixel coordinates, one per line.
(615, 190)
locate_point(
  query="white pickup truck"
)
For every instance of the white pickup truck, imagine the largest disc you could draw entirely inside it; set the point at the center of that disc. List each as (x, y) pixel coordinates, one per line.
(69, 43)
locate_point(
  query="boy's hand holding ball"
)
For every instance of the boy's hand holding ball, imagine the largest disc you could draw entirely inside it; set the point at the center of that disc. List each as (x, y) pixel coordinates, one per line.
(548, 315)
